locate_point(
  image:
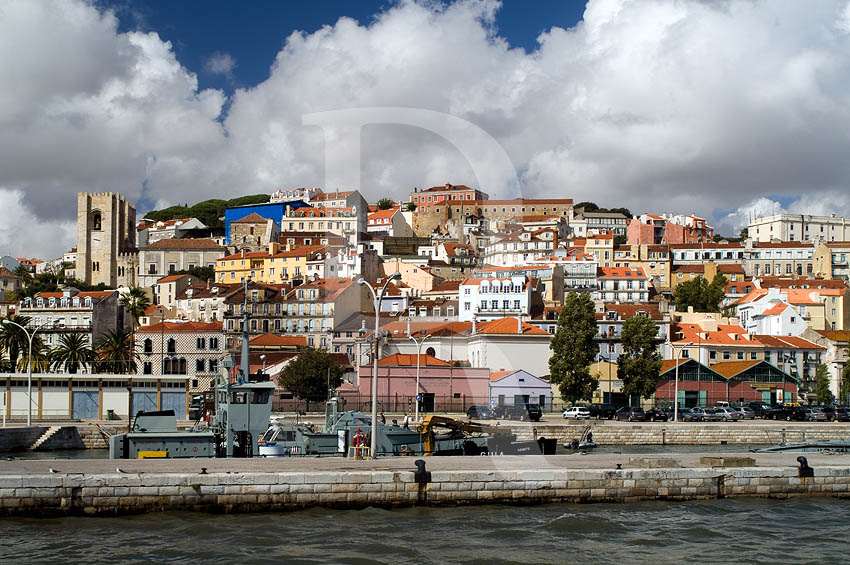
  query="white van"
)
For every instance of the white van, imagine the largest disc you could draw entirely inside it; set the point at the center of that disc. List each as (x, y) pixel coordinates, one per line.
(577, 413)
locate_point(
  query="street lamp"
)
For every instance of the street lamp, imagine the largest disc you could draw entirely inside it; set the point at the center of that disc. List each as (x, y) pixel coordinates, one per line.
(377, 304)
(418, 353)
(30, 337)
(676, 390)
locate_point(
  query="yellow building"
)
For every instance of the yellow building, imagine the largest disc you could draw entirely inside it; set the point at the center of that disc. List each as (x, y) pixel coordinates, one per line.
(271, 266)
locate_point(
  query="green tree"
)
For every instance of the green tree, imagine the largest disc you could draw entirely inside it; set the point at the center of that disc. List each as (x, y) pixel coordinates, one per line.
(13, 340)
(411, 206)
(40, 359)
(201, 273)
(24, 274)
(745, 233)
(310, 375)
(384, 204)
(72, 352)
(116, 352)
(845, 384)
(587, 206)
(135, 301)
(700, 294)
(825, 396)
(640, 362)
(573, 349)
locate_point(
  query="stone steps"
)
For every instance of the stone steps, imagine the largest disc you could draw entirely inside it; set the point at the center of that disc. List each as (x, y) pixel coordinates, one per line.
(51, 431)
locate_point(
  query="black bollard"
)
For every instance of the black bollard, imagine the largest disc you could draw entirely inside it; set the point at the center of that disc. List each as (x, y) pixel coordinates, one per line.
(805, 470)
(420, 475)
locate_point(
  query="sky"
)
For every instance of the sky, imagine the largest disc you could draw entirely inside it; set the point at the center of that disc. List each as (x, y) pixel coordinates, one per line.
(723, 108)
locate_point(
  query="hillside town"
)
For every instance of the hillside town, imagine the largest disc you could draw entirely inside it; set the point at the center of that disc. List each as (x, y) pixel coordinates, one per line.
(468, 294)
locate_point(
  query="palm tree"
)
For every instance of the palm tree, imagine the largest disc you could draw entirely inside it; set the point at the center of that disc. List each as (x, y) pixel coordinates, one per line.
(72, 352)
(24, 274)
(14, 340)
(40, 357)
(135, 301)
(116, 352)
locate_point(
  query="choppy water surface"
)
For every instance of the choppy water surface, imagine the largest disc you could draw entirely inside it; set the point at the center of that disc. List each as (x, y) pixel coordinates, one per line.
(743, 531)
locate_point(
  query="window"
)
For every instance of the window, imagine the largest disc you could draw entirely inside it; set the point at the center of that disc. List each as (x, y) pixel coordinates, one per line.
(712, 355)
(213, 365)
(171, 346)
(147, 367)
(201, 343)
(740, 355)
(727, 355)
(199, 365)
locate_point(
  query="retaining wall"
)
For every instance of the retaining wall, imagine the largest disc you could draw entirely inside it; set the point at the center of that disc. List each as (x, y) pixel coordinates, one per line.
(668, 433)
(109, 494)
(19, 439)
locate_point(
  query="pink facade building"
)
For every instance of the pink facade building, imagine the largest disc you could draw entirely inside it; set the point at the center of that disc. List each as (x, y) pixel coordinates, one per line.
(438, 381)
(652, 229)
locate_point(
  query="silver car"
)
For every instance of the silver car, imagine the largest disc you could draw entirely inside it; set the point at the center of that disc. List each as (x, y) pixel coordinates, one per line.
(726, 414)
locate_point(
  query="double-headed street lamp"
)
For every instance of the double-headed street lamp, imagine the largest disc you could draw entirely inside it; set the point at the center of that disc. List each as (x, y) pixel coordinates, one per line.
(418, 354)
(30, 337)
(377, 303)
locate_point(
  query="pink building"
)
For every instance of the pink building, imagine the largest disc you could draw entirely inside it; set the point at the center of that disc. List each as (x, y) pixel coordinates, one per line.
(439, 382)
(668, 229)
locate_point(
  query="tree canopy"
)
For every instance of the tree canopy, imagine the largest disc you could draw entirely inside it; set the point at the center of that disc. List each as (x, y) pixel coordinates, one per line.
(640, 362)
(309, 375)
(202, 273)
(592, 207)
(209, 212)
(845, 385)
(384, 204)
(573, 349)
(825, 396)
(700, 294)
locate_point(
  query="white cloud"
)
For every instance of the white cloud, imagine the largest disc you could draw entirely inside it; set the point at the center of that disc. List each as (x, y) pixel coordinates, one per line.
(220, 64)
(23, 234)
(656, 106)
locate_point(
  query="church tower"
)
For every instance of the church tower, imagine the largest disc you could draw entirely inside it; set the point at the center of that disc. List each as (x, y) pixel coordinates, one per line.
(106, 235)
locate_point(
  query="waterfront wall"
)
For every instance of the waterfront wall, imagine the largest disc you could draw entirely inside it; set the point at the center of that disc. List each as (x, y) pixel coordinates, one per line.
(124, 493)
(668, 433)
(19, 439)
(58, 437)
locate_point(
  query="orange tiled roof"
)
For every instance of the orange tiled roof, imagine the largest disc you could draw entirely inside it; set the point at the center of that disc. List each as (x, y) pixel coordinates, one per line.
(185, 243)
(496, 375)
(508, 326)
(381, 214)
(622, 273)
(274, 340)
(252, 218)
(776, 309)
(408, 360)
(177, 327)
(171, 278)
(731, 368)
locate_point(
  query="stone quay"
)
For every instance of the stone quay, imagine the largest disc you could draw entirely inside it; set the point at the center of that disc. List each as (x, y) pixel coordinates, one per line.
(106, 487)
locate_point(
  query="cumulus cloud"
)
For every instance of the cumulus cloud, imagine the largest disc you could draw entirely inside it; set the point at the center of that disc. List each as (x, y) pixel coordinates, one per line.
(220, 64)
(657, 106)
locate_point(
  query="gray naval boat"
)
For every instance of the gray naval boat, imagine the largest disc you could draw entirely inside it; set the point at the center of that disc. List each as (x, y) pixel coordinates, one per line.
(835, 445)
(347, 434)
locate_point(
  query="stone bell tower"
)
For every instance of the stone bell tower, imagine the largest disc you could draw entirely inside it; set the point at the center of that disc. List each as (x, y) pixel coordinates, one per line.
(106, 236)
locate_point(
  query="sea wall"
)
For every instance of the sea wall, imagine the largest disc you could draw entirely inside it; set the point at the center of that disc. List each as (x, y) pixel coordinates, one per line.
(19, 439)
(124, 493)
(668, 433)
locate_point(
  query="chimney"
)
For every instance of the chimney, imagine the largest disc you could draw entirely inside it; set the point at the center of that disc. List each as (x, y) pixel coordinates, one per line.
(274, 247)
(243, 253)
(519, 324)
(474, 324)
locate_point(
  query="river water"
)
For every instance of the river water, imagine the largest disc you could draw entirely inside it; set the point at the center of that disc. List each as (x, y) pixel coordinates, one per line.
(805, 530)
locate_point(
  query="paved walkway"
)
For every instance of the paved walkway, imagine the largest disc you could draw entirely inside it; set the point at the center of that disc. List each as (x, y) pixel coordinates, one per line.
(319, 464)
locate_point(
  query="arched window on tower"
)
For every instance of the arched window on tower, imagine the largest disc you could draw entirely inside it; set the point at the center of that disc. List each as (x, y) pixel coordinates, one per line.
(97, 223)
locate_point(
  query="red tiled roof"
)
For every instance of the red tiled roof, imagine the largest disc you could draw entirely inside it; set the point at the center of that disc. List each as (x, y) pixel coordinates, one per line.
(508, 326)
(776, 309)
(446, 187)
(331, 196)
(252, 218)
(177, 327)
(381, 214)
(408, 360)
(187, 243)
(731, 368)
(622, 273)
(274, 340)
(626, 311)
(496, 375)
(446, 287)
(171, 278)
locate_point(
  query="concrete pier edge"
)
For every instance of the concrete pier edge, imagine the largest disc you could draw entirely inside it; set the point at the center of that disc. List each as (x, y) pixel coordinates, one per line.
(137, 487)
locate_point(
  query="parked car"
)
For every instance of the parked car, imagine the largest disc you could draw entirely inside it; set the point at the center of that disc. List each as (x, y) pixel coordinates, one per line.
(631, 413)
(789, 413)
(656, 415)
(762, 410)
(706, 414)
(603, 411)
(688, 415)
(577, 413)
(726, 414)
(479, 412)
(815, 414)
(746, 412)
(522, 412)
(837, 413)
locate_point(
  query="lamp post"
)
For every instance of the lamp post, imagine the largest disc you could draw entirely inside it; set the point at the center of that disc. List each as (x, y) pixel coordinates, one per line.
(228, 365)
(30, 337)
(418, 354)
(676, 389)
(373, 440)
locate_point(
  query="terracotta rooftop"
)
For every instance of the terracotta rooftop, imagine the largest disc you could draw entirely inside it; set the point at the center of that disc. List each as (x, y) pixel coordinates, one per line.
(177, 327)
(274, 340)
(410, 360)
(252, 218)
(185, 243)
(508, 326)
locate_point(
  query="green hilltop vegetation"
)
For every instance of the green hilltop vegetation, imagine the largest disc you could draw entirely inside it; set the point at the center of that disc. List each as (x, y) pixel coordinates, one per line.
(210, 212)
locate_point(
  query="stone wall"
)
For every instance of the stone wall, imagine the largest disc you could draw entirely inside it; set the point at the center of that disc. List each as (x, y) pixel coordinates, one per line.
(122, 493)
(19, 439)
(663, 433)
